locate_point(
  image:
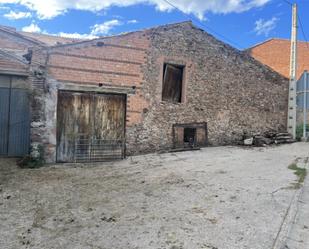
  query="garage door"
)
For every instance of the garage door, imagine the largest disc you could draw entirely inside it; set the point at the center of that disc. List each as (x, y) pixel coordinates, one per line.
(90, 127)
(14, 116)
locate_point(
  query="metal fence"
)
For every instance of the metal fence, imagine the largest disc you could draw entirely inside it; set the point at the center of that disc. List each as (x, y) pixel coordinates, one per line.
(98, 150)
(302, 101)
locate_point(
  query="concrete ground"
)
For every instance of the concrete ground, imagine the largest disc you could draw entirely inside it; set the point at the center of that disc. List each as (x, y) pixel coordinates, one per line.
(297, 236)
(215, 198)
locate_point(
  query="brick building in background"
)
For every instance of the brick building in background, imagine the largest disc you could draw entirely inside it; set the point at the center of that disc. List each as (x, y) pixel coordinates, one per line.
(145, 91)
(275, 53)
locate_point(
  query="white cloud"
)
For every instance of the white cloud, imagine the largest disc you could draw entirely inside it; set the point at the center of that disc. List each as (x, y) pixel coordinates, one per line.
(76, 35)
(50, 8)
(12, 15)
(33, 28)
(264, 27)
(4, 7)
(132, 21)
(95, 31)
(104, 28)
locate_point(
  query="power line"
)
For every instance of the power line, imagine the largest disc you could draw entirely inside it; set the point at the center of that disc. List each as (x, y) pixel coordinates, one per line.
(226, 38)
(288, 2)
(300, 24)
(303, 31)
(203, 25)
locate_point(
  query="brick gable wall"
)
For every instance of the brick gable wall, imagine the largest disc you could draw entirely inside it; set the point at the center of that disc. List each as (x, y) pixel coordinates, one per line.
(275, 53)
(118, 62)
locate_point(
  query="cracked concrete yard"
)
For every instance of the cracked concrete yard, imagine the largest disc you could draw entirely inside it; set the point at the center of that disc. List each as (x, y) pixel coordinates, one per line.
(215, 198)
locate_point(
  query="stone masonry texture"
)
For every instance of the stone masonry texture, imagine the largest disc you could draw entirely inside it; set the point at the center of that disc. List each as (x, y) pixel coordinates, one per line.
(228, 89)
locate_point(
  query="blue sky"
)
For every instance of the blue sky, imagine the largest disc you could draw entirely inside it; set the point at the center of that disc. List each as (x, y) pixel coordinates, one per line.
(242, 23)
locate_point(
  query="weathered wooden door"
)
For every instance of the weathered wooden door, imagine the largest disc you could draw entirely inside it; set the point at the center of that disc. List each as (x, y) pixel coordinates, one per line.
(90, 126)
(14, 116)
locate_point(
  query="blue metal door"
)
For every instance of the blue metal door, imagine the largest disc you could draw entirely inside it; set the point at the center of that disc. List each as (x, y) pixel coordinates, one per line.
(4, 119)
(14, 118)
(19, 124)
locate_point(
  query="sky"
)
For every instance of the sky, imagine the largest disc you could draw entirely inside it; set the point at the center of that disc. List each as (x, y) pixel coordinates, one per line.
(241, 23)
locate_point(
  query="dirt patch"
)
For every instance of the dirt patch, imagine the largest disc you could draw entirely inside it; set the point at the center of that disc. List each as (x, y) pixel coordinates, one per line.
(220, 198)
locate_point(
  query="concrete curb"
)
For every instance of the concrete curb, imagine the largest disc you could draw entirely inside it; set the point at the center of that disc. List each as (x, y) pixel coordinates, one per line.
(290, 216)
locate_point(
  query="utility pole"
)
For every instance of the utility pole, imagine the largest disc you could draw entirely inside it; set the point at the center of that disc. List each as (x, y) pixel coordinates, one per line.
(293, 70)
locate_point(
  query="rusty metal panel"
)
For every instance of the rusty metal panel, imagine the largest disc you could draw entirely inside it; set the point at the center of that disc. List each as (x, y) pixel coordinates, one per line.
(90, 127)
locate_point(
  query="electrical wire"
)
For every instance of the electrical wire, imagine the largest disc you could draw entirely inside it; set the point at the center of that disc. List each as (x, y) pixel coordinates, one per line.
(205, 26)
(300, 24)
(226, 38)
(303, 31)
(288, 2)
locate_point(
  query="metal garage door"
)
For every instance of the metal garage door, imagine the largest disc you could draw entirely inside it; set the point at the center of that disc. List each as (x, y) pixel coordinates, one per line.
(14, 116)
(90, 127)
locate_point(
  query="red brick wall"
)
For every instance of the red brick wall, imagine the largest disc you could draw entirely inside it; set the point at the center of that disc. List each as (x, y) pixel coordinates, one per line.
(275, 53)
(9, 41)
(118, 62)
(7, 64)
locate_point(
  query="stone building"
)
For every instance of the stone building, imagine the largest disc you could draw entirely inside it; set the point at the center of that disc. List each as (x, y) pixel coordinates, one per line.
(161, 88)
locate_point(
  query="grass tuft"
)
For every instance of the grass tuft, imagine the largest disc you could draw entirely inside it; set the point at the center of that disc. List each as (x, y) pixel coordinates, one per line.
(301, 173)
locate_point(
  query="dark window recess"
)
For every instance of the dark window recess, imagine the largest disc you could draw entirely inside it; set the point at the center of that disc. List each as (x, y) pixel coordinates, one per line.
(100, 44)
(172, 83)
(189, 136)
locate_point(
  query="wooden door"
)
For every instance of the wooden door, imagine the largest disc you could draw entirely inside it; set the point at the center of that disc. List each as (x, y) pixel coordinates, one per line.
(90, 126)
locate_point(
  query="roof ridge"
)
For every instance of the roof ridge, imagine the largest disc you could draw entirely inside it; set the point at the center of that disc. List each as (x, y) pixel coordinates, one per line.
(12, 56)
(260, 43)
(121, 34)
(50, 35)
(16, 33)
(273, 38)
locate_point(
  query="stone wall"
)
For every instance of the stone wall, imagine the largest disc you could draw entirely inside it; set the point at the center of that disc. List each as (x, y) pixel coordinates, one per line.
(227, 89)
(224, 87)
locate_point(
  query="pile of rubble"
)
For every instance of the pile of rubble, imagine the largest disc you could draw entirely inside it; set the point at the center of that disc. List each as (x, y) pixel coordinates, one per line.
(267, 139)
